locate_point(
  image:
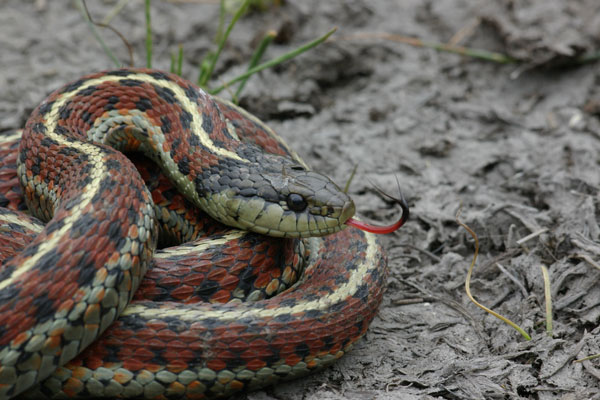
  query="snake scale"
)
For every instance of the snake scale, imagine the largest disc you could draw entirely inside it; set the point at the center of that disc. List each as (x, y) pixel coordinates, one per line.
(68, 325)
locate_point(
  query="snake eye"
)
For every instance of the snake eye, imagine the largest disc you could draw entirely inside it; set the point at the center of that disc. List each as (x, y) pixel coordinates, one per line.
(296, 202)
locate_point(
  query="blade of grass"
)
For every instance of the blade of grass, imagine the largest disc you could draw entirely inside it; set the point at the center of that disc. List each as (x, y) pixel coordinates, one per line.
(176, 61)
(114, 11)
(548, 298)
(83, 9)
(468, 281)
(587, 358)
(173, 61)
(207, 60)
(148, 36)
(221, 25)
(349, 181)
(464, 51)
(587, 259)
(204, 67)
(116, 32)
(213, 61)
(260, 50)
(465, 32)
(275, 61)
(179, 60)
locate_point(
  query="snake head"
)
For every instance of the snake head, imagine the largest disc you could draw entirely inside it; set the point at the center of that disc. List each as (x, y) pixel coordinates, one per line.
(279, 197)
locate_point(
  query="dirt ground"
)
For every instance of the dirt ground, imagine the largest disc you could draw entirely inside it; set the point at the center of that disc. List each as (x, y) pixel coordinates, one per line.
(517, 144)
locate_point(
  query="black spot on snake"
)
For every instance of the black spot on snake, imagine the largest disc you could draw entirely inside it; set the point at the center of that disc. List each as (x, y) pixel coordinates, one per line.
(328, 342)
(48, 260)
(192, 93)
(39, 128)
(283, 318)
(161, 76)
(234, 363)
(302, 350)
(45, 309)
(166, 94)
(87, 91)
(184, 165)
(143, 104)
(55, 225)
(130, 82)
(87, 269)
(44, 108)
(186, 120)
(47, 142)
(207, 124)
(119, 72)
(362, 292)
(73, 86)
(165, 124)
(207, 289)
(65, 112)
(86, 116)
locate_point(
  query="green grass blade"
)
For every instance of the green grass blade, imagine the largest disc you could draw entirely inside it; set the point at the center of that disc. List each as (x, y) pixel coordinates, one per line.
(204, 77)
(94, 31)
(260, 50)
(179, 60)
(349, 181)
(219, 34)
(148, 36)
(588, 358)
(275, 61)
(173, 61)
(204, 67)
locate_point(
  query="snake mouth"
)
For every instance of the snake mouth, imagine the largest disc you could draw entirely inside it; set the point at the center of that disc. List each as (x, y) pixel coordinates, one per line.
(347, 212)
(322, 225)
(309, 225)
(301, 225)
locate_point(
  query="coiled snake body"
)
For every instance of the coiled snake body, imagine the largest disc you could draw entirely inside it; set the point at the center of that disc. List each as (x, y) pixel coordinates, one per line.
(65, 283)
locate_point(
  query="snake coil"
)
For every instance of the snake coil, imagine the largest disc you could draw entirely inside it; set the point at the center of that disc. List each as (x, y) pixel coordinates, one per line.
(68, 325)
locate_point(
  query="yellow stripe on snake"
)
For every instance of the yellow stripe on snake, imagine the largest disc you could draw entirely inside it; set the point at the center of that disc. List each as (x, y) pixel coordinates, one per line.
(225, 311)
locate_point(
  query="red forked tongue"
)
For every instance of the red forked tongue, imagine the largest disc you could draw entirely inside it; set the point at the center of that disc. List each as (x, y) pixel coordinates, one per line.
(384, 229)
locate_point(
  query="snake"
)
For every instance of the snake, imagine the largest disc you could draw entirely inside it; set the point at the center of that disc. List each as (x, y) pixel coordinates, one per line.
(136, 178)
